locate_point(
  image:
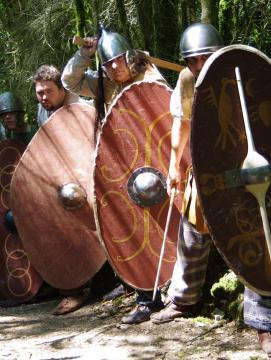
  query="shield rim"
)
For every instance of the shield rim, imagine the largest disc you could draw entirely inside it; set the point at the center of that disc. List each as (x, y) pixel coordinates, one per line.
(198, 83)
(95, 202)
(66, 107)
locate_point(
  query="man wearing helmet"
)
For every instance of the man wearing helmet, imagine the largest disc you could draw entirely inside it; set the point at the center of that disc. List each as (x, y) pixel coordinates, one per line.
(120, 66)
(198, 42)
(14, 127)
(12, 118)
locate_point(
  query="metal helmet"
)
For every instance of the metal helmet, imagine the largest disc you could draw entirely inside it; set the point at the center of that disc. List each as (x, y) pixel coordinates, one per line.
(10, 102)
(200, 39)
(111, 45)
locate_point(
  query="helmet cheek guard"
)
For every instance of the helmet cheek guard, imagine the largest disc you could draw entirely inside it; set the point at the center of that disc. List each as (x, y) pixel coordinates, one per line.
(200, 39)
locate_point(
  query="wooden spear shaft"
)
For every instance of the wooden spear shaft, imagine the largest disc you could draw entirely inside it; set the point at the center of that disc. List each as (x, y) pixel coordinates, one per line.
(77, 40)
(254, 160)
(172, 195)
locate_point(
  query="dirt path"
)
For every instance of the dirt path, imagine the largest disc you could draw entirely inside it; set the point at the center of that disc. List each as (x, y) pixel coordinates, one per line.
(94, 332)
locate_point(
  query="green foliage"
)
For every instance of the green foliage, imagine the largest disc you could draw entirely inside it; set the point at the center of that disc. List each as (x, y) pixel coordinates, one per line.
(228, 294)
(246, 22)
(235, 309)
(34, 32)
(80, 17)
(202, 320)
(228, 287)
(215, 270)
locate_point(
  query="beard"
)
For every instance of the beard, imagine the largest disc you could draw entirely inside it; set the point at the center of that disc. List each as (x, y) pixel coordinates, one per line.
(48, 107)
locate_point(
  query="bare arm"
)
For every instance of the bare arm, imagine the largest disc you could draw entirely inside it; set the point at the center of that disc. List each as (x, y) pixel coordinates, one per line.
(179, 137)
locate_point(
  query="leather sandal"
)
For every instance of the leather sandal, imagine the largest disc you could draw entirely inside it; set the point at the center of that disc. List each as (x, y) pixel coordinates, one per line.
(140, 314)
(173, 311)
(71, 303)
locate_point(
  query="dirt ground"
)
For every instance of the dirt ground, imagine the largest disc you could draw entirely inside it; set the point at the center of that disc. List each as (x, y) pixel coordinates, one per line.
(94, 332)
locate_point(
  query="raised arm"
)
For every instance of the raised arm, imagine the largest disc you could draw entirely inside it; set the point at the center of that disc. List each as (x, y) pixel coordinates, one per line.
(76, 76)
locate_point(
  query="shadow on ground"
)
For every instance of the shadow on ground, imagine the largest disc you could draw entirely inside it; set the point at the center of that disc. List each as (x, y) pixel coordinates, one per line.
(94, 332)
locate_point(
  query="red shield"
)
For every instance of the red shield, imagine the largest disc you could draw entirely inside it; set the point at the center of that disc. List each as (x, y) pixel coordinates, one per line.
(135, 135)
(219, 147)
(61, 240)
(19, 280)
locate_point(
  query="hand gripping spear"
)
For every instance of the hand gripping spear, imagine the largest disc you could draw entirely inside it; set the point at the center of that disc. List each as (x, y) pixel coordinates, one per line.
(77, 40)
(172, 195)
(255, 161)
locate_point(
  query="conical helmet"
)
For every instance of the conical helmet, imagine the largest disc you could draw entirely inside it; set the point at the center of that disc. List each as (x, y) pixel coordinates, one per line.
(10, 102)
(111, 45)
(200, 39)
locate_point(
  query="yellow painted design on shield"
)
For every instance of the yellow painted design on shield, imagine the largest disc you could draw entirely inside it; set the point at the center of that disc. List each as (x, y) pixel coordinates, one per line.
(147, 129)
(105, 171)
(6, 173)
(18, 272)
(105, 203)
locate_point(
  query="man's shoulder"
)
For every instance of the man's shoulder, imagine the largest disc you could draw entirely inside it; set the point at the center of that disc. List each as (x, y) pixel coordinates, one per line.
(186, 78)
(153, 74)
(186, 73)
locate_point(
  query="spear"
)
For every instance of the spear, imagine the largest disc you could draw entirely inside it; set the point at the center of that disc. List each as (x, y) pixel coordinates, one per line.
(77, 40)
(254, 160)
(172, 195)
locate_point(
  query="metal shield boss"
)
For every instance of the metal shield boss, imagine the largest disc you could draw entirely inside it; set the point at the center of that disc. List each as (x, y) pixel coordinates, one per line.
(19, 281)
(231, 154)
(130, 199)
(51, 188)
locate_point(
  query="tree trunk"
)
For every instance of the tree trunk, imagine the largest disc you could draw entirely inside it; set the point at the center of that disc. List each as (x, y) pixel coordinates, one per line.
(226, 18)
(94, 12)
(79, 17)
(124, 25)
(145, 19)
(209, 12)
(166, 29)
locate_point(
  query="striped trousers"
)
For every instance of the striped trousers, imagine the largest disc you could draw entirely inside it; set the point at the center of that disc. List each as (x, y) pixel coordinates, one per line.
(191, 265)
(257, 310)
(189, 276)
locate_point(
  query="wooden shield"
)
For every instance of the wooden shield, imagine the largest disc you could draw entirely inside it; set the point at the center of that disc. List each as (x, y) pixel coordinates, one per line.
(136, 134)
(61, 241)
(19, 281)
(219, 147)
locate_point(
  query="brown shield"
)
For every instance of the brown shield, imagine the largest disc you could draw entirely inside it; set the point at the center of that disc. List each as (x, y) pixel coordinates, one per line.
(135, 136)
(51, 188)
(219, 147)
(19, 281)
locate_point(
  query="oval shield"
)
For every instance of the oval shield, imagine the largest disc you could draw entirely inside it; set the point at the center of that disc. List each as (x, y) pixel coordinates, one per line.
(131, 166)
(19, 281)
(51, 187)
(219, 144)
